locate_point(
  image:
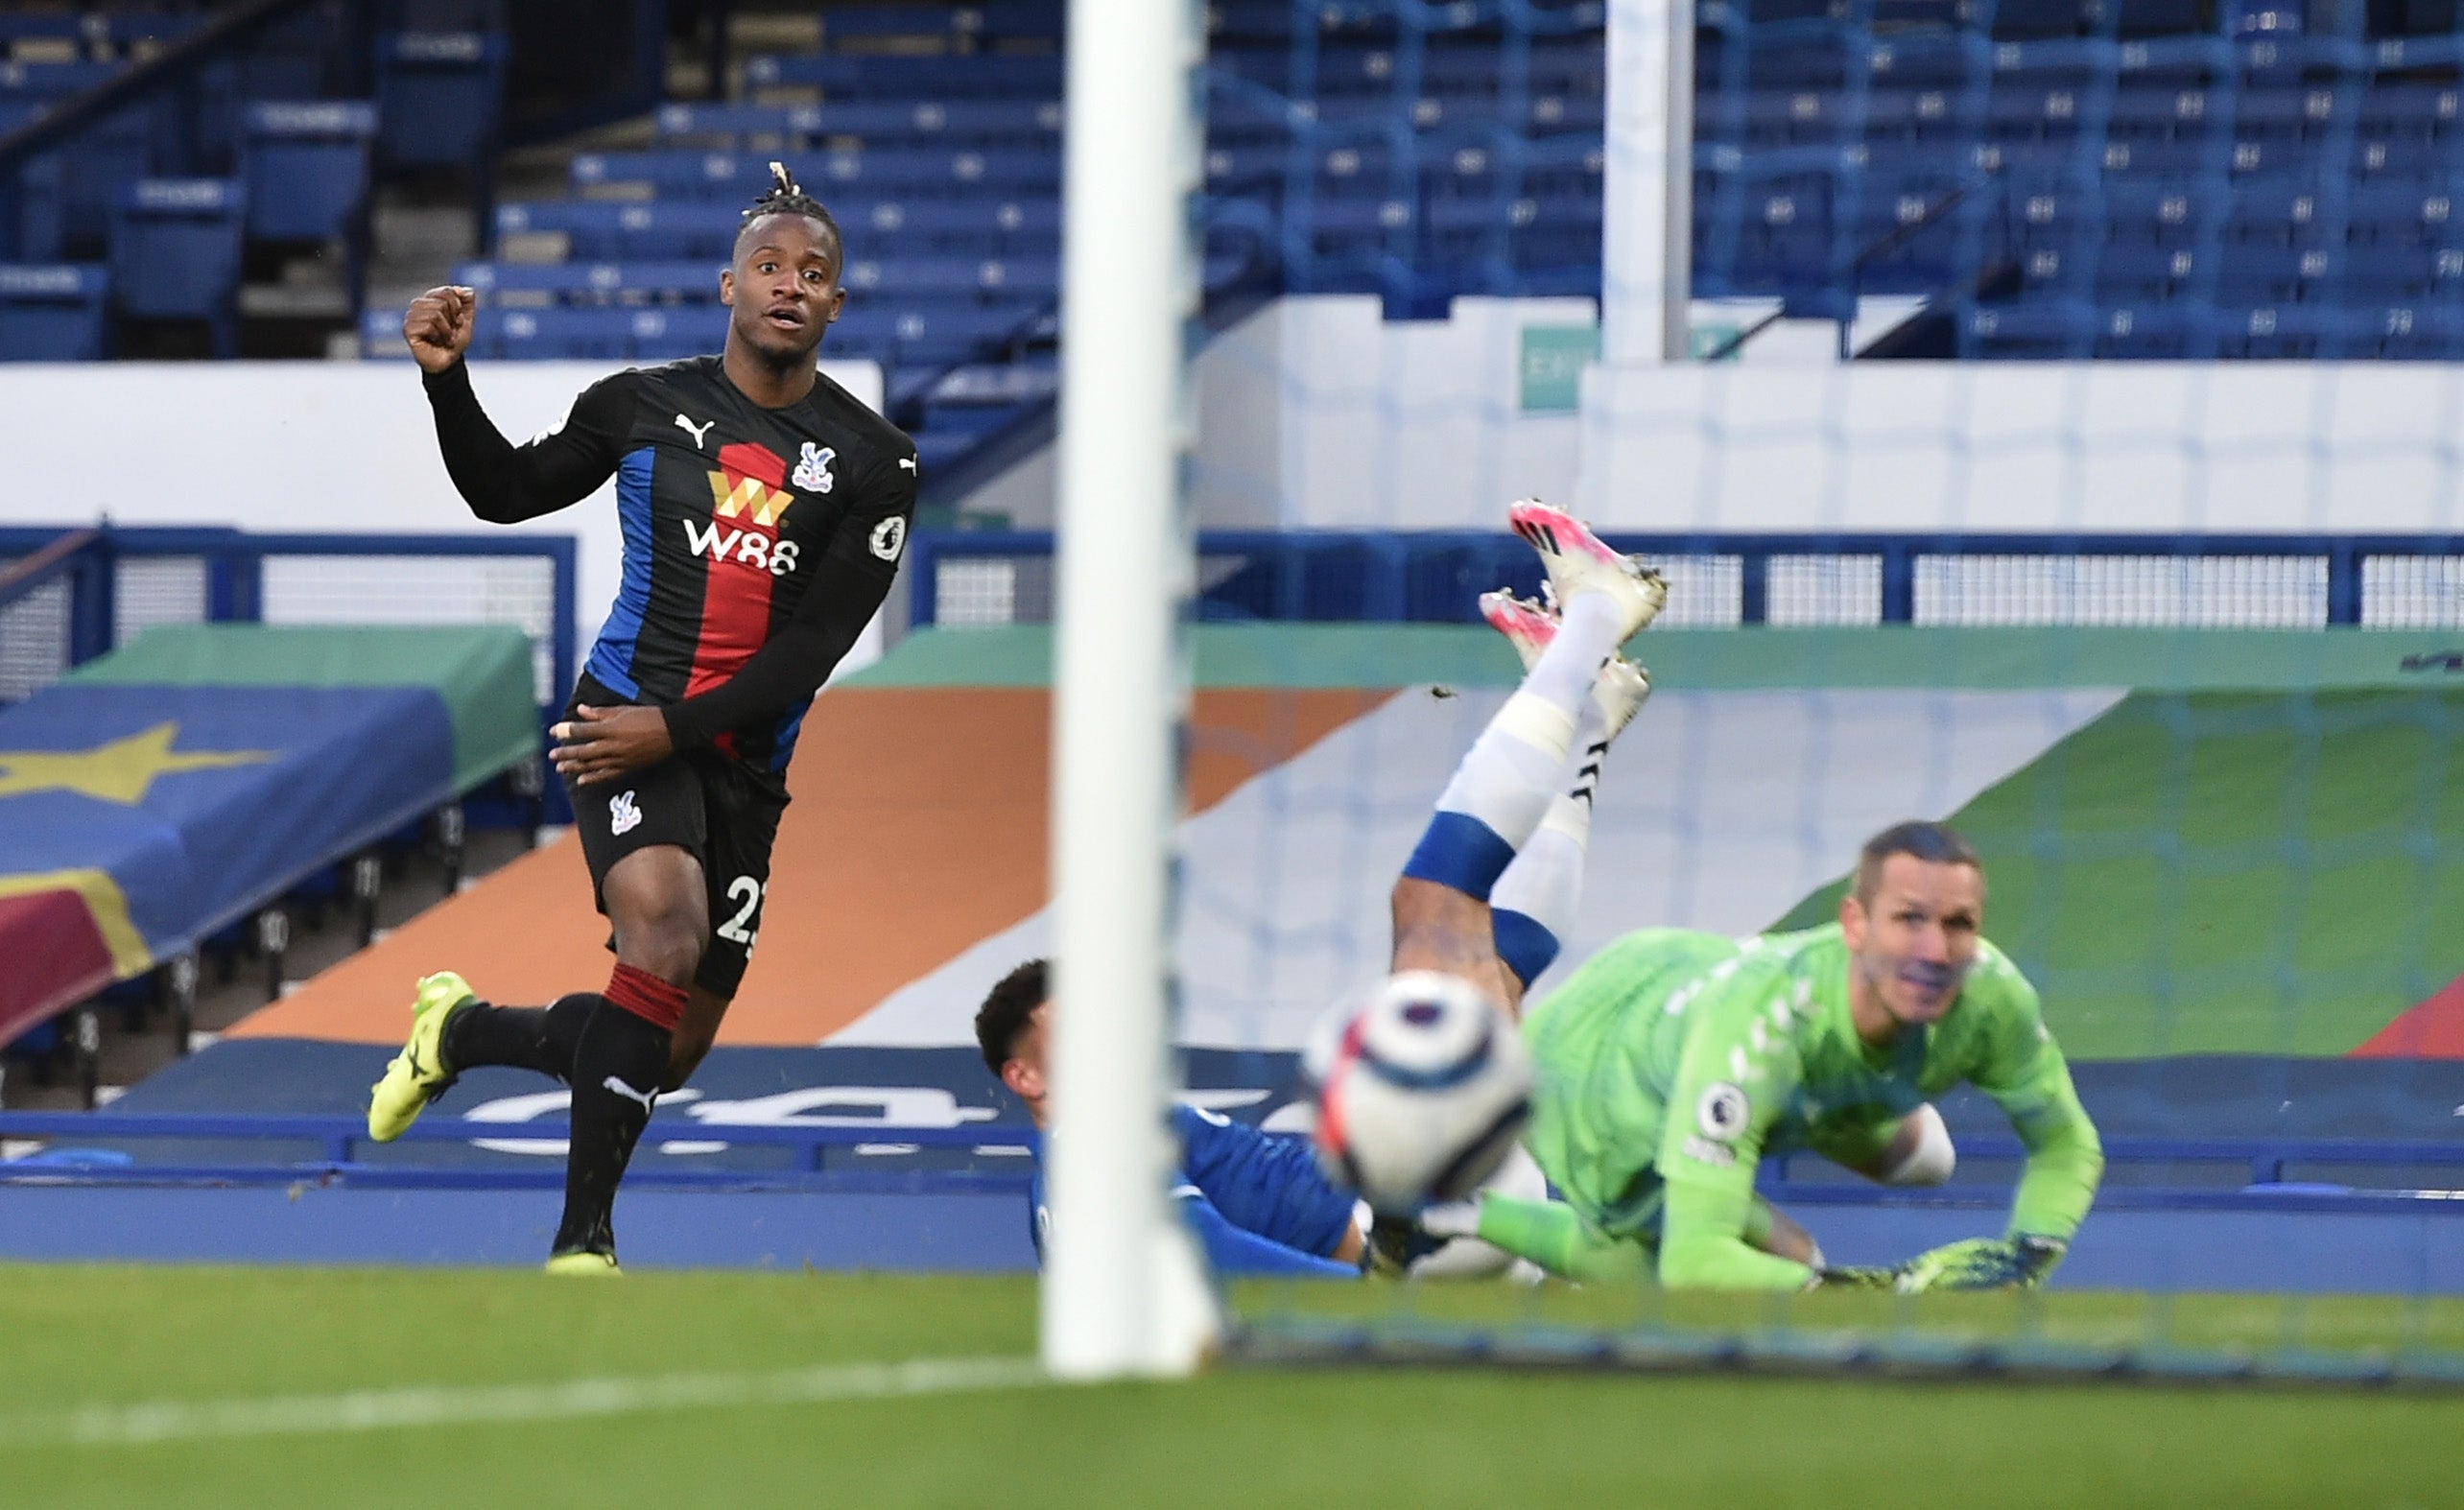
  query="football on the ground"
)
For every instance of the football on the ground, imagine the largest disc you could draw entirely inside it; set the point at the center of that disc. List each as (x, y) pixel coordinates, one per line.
(1422, 1091)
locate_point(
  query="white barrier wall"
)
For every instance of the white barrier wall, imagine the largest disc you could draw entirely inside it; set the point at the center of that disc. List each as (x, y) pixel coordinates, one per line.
(289, 446)
(1313, 412)
(1315, 415)
(2115, 446)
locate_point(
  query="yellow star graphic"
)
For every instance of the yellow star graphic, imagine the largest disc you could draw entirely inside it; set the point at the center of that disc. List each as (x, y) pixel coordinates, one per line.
(121, 771)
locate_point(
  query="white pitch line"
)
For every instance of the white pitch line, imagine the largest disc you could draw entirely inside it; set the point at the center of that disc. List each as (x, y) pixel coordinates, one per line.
(391, 1409)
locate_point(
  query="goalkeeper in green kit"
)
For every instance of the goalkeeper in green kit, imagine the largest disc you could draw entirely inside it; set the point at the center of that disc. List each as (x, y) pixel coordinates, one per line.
(1673, 1062)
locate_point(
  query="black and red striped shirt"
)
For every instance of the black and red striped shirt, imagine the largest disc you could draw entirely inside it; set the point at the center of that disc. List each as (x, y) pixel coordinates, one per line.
(758, 542)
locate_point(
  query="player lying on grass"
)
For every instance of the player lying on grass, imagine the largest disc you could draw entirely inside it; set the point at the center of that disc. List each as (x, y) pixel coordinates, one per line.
(1255, 1201)
(1674, 1061)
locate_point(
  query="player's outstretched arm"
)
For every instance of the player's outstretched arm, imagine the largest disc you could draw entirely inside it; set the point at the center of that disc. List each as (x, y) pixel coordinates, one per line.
(1231, 1250)
(848, 584)
(503, 482)
(2027, 1077)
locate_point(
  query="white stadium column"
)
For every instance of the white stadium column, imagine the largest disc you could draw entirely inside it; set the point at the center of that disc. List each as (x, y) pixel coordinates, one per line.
(1648, 217)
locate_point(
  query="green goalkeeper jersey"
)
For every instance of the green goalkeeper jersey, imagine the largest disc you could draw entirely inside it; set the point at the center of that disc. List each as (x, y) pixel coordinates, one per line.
(1672, 1062)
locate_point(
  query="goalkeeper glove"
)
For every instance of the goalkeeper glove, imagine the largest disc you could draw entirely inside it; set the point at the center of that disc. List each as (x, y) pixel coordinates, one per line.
(2020, 1262)
(1853, 1276)
(1395, 1245)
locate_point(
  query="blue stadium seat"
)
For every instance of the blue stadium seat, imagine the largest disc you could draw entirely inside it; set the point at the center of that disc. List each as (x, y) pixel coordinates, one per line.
(36, 236)
(680, 331)
(443, 15)
(306, 165)
(1037, 279)
(918, 171)
(560, 334)
(2157, 112)
(1923, 61)
(380, 332)
(875, 28)
(59, 311)
(1008, 229)
(2405, 108)
(938, 331)
(2015, 19)
(51, 80)
(91, 170)
(439, 97)
(128, 31)
(865, 122)
(539, 284)
(175, 252)
(1011, 21)
(2428, 331)
(2383, 274)
(608, 231)
(979, 76)
(1235, 169)
(41, 35)
(2410, 211)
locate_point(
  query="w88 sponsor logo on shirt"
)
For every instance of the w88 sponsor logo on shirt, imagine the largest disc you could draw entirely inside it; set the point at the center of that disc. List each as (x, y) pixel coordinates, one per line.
(749, 498)
(745, 546)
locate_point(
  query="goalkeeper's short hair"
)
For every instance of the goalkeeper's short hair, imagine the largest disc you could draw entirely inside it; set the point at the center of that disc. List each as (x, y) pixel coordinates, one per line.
(1936, 843)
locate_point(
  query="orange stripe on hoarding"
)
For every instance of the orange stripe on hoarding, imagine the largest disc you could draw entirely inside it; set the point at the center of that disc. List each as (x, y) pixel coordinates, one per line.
(919, 827)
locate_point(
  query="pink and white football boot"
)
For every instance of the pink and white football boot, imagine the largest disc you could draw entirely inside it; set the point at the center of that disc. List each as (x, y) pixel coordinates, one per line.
(1529, 627)
(1578, 563)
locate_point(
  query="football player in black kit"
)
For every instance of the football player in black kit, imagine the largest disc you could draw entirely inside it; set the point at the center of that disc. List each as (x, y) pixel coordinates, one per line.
(764, 511)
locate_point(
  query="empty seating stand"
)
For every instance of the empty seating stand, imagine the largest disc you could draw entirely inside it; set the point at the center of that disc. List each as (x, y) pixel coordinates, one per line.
(933, 133)
(912, 171)
(54, 312)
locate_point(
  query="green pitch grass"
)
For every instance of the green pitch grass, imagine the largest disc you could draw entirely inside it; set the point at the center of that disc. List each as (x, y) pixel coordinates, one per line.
(74, 1338)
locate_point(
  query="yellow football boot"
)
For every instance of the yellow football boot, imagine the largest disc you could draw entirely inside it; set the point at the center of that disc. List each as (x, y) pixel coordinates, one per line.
(583, 1261)
(420, 1071)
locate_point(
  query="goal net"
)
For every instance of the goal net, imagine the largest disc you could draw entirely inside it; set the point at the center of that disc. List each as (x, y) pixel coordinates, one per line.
(2175, 643)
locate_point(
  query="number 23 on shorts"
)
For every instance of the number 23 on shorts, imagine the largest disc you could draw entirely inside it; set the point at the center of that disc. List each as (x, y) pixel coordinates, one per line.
(745, 893)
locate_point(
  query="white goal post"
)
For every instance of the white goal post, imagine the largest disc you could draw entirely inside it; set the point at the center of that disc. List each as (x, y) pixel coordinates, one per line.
(1123, 1292)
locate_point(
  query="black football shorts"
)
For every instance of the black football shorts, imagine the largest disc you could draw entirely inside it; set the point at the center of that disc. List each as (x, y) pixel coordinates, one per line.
(722, 811)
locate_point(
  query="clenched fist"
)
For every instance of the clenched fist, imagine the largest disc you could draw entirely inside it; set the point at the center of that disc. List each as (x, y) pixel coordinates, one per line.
(439, 325)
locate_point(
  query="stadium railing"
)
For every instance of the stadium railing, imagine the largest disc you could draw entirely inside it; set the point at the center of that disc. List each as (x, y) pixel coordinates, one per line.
(981, 578)
(69, 595)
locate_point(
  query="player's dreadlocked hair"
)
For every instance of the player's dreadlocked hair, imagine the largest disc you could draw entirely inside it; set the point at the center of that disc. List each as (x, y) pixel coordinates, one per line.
(786, 197)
